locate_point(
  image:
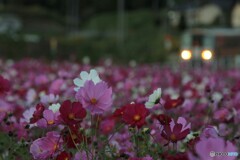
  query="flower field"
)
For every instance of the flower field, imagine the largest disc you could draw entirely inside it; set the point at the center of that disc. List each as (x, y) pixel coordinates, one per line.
(71, 111)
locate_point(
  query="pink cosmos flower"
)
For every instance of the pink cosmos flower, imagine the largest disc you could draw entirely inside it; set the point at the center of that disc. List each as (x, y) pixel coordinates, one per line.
(209, 132)
(48, 99)
(45, 147)
(49, 119)
(57, 86)
(221, 115)
(96, 98)
(204, 147)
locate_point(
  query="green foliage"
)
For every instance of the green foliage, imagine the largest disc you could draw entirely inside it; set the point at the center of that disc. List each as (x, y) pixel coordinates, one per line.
(143, 41)
(97, 38)
(9, 149)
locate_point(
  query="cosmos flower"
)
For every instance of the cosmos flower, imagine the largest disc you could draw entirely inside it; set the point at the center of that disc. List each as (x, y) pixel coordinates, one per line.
(173, 103)
(209, 132)
(72, 113)
(154, 98)
(55, 107)
(135, 115)
(163, 119)
(49, 119)
(107, 125)
(176, 131)
(96, 98)
(45, 147)
(48, 99)
(84, 76)
(38, 113)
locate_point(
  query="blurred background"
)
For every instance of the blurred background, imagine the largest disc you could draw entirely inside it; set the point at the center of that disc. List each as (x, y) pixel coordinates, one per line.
(141, 30)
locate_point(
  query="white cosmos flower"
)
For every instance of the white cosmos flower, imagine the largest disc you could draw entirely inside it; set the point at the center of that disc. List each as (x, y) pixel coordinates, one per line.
(154, 98)
(84, 76)
(54, 107)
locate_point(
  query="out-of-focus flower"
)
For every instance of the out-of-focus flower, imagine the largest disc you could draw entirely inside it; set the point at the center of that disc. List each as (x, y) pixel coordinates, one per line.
(221, 115)
(176, 131)
(72, 113)
(107, 126)
(135, 115)
(48, 99)
(31, 96)
(4, 85)
(163, 119)
(119, 112)
(38, 113)
(64, 156)
(96, 98)
(55, 107)
(45, 147)
(206, 146)
(154, 98)
(27, 115)
(173, 103)
(57, 86)
(84, 76)
(209, 132)
(177, 156)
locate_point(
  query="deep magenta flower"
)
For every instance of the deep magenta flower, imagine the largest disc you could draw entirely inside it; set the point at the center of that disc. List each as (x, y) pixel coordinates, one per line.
(107, 125)
(4, 85)
(38, 113)
(45, 147)
(163, 119)
(96, 98)
(64, 156)
(173, 103)
(72, 113)
(135, 115)
(176, 131)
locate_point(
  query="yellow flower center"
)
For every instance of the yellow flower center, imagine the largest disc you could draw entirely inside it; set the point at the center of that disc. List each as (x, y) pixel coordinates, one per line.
(93, 101)
(136, 117)
(173, 137)
(55, 147)
(74, 136)
(174, 104)
(71, 116)
(50, 122)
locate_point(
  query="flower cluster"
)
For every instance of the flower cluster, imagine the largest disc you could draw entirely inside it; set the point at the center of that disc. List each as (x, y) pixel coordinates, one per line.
(135, 113)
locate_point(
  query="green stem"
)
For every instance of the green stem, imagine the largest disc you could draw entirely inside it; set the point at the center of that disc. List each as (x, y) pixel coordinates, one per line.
(136, 141)
(73, 139)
